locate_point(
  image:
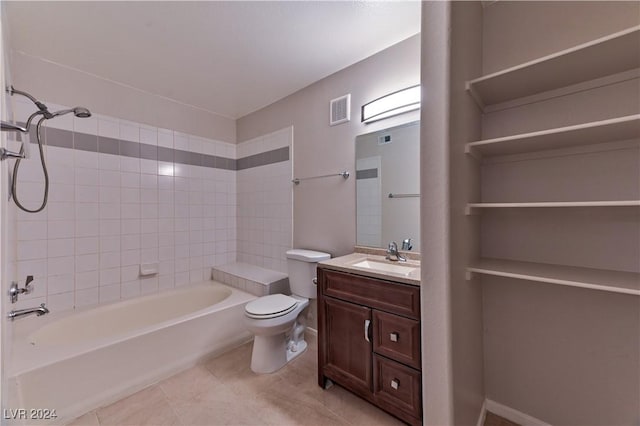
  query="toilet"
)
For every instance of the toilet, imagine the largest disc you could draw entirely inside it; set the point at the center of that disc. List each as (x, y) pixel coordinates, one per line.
(277, 320)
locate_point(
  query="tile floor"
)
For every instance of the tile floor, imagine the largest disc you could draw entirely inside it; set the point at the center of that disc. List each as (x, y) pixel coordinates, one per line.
(224, 391)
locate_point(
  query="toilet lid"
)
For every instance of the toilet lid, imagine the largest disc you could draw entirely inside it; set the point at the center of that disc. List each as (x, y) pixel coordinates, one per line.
(270, 306)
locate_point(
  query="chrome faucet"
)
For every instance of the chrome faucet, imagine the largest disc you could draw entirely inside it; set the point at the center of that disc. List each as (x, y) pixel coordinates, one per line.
(40, 310)
(15, 291)
(406, 244)
(393, 251)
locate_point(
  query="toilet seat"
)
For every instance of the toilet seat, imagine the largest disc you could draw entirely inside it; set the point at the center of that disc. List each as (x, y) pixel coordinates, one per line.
(272, 306)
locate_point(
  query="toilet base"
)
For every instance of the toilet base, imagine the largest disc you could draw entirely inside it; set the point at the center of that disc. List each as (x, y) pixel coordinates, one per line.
(271, 353)
(301, 347)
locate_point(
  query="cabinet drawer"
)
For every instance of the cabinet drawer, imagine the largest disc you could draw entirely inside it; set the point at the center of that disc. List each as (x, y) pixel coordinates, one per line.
(401, 299)
(397, 338)
(397, 387)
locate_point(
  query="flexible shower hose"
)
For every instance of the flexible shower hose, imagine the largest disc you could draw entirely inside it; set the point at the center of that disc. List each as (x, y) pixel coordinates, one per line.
(14, 180)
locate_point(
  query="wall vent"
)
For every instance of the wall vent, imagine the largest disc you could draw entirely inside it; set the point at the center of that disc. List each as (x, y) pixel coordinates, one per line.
(340, 110)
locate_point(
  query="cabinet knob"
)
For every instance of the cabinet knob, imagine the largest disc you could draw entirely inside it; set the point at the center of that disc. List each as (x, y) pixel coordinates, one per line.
(395, 384)
(394, 336)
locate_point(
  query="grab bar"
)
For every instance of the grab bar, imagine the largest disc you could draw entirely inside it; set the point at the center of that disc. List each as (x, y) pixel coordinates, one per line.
(344, 174)
(392, 195)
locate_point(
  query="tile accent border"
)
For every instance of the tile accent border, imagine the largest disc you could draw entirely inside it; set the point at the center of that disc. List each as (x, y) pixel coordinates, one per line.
(264, 158)
(104, 145)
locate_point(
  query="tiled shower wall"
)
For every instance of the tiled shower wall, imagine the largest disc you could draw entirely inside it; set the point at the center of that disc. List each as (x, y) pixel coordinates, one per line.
(122, 194)
(265, 204)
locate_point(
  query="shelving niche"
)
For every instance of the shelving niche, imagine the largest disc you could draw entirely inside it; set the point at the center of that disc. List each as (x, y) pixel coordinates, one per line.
(602, 57)
(597, 59)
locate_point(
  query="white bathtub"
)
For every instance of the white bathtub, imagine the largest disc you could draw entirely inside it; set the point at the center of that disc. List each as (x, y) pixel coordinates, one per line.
(76, 361)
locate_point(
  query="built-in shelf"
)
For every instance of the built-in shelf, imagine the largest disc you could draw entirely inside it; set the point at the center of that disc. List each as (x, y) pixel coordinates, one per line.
(611, 130)
(595, 279)
(615, 53)
(552, 204)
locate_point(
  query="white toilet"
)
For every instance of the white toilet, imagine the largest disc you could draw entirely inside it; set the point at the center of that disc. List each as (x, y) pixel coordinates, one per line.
(277, 320)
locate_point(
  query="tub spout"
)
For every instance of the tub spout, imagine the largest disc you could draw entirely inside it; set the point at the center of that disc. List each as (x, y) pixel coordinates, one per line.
(40, 310)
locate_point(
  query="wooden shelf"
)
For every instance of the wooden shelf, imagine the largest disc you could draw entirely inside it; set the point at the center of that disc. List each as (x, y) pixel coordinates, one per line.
(611, 130)
(602, 57)
(595, 279)
(553, 204)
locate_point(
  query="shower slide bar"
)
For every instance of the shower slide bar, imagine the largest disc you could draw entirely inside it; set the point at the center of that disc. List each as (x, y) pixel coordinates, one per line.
(344, 174)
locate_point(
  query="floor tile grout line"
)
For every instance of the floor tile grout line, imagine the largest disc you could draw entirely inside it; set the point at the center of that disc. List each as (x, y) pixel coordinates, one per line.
(170, 402)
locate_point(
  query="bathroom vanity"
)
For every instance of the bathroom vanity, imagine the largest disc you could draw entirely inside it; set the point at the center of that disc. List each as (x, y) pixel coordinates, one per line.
(369, 331)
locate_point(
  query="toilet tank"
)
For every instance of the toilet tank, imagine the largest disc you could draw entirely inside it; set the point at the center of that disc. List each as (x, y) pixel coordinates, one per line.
(301, 266)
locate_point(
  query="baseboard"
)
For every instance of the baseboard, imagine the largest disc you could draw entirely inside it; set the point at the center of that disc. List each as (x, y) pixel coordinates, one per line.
(511, 414)
(483, 414)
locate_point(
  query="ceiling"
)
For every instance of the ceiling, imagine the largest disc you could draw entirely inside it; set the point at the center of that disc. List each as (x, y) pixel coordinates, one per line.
(230, 58)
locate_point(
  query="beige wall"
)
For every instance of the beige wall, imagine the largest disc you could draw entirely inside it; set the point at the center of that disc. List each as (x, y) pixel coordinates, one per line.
(519, 31)
(324, 209)
(564, 355)
(437, 389)
(67, 86)
(466, 296)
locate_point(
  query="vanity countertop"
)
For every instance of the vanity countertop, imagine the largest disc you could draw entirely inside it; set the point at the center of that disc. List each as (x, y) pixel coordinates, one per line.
(348, 264)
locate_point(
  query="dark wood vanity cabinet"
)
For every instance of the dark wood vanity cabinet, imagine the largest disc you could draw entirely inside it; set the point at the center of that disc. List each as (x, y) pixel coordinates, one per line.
(369, 340)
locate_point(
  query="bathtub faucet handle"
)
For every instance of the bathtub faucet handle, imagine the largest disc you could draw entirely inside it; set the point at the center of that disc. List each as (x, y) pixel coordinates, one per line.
(15, 291)
(28, 289)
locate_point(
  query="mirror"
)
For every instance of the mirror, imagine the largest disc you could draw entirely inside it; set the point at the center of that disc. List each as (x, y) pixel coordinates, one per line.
(388, 187)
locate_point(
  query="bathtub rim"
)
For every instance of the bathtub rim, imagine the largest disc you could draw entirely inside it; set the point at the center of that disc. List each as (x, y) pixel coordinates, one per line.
(26, 358)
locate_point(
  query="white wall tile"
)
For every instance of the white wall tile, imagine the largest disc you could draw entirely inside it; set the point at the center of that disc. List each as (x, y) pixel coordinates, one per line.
(108, 161)
(60, 284)
(148, 166)
(165, 138)
(86, 297)
(109, 276)
(61, 247)
(61, 229)
(180, 141)
(149, 135)
(60, 265)
(85, 263)
(130, 132)
(61, 301)
(30, 250)
(87, 280)
(29, 231)
(109, 293)
(130, 195)
(131, 289)
(128, 164)
(87, 194)
(108, 127)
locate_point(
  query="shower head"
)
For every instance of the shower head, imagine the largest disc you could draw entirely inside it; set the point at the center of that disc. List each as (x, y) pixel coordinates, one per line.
(80, 112)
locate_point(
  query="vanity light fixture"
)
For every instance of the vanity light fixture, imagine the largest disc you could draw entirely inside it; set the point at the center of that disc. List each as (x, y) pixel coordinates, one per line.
(395, 103)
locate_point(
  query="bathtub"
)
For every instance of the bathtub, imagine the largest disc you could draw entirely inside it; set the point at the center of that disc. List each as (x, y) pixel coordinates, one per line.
(73, 362)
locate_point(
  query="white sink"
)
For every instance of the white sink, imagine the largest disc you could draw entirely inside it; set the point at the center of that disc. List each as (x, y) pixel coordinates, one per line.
(394, 268)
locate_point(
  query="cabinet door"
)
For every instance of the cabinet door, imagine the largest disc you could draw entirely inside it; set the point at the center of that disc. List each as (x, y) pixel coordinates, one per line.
(348, 344)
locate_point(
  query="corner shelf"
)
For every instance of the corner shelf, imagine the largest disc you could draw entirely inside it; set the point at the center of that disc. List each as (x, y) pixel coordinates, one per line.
(552, 204)
(611, 130)
(612, 54)
(594, 279)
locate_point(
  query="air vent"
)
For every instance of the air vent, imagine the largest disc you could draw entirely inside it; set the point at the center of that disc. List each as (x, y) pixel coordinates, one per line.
(340, 110)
